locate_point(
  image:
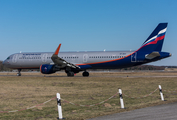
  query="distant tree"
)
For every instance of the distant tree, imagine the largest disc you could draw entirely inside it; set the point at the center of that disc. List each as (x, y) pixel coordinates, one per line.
(3, 68)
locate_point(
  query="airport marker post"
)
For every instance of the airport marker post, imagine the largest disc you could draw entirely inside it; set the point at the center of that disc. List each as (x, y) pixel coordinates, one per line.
(161, 94)
(121, 99)
(59, 106)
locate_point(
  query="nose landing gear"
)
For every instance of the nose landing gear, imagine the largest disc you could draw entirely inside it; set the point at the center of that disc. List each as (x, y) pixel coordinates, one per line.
(19, 74)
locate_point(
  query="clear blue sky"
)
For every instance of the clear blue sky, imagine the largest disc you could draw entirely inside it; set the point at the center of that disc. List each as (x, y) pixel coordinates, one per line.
(84, 25)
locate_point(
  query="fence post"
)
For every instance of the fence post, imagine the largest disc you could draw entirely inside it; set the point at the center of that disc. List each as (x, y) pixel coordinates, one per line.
(121, 99)
(161, 94)
(59, 106)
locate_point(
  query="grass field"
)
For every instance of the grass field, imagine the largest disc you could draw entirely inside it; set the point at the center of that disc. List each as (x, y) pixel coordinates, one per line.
(17, 93)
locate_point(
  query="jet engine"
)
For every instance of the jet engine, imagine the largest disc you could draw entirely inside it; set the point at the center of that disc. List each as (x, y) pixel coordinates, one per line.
(49, 69)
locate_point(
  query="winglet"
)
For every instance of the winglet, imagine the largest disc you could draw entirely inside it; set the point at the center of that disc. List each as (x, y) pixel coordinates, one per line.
(57, 50)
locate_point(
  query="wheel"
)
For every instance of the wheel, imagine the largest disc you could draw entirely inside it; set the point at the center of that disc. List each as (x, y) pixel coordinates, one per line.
(70, 74)
(18, 74)
(85, 74)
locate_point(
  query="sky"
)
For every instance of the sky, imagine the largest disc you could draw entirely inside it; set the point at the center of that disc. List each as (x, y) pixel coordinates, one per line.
(85, 25)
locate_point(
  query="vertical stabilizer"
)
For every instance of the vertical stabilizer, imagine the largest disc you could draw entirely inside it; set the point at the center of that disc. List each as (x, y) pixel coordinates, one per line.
(155, 41)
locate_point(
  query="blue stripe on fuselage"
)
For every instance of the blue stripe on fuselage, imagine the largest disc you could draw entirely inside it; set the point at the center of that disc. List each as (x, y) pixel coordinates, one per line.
(119, 63)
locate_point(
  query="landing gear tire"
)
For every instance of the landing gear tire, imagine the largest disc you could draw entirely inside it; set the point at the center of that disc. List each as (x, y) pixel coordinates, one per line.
(18, 74)
(85, 74)
(70, 74)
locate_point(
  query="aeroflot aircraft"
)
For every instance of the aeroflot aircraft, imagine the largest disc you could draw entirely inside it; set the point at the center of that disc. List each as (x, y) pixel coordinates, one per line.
(74, 62)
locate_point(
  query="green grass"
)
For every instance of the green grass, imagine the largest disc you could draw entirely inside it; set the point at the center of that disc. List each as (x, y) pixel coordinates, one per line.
(33, 88)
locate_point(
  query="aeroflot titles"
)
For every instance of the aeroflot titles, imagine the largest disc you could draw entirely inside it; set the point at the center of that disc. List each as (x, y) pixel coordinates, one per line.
(31, 56)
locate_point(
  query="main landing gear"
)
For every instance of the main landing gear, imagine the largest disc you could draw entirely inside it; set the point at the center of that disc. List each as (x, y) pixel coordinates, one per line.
(19, 74)
(70, 74)
(85, 74)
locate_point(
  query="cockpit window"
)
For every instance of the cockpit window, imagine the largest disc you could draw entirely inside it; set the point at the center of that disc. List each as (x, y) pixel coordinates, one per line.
(8, 58)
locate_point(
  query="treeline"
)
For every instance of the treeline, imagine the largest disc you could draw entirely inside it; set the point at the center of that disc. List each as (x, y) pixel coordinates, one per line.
(3, 68)
(145, 67)
(140, 67)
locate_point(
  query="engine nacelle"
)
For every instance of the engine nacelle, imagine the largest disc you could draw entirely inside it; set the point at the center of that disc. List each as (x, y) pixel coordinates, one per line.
(48, 69)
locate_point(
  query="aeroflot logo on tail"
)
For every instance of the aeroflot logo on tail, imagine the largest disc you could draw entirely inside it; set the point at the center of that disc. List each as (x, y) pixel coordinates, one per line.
(156, 38)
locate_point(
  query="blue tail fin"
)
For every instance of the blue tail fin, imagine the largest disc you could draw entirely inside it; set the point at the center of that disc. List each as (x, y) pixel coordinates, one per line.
(155, 41)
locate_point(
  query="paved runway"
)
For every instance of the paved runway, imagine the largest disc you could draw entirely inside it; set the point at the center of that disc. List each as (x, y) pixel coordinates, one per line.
(161, 112)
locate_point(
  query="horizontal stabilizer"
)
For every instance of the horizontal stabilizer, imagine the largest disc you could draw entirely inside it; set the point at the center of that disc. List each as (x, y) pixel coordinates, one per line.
(152, 55)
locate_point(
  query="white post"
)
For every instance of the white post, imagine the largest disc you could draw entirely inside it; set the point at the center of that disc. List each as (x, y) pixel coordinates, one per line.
(59, 106)
(121, 99)
(161, 94)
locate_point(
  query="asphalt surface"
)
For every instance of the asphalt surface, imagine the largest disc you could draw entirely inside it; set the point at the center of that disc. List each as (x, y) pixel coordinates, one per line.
(161, 112)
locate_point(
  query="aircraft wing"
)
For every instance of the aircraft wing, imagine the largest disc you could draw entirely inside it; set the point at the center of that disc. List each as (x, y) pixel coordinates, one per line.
(61, 62)
(152, 55)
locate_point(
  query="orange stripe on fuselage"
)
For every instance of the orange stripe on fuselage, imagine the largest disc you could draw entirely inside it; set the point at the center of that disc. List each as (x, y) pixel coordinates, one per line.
(106, 61)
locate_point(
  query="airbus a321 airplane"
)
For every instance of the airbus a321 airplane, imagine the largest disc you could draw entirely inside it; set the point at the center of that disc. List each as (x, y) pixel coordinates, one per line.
(74, 62)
